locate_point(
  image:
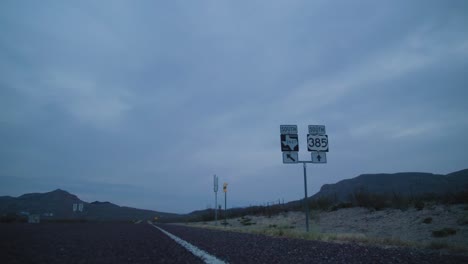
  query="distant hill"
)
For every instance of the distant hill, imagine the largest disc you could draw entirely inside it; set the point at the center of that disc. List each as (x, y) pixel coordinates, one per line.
(405, 183)
(58, 204)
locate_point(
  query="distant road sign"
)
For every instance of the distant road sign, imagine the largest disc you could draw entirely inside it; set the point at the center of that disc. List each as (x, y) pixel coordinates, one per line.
(319, 157)
(289, 142)
(288, 129)
(317, 130)
(225, 187)
(317, 143)
(215, 180)
(290, 157)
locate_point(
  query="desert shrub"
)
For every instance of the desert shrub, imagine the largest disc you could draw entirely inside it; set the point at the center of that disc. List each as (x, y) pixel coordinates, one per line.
(246, 221)
(338, 206)
(322, 203)
(444, 232)
(12, 218)
(463, 220)
(438, 245)
(363, 198)
(427, 220)
(399, 201)
(419, 205)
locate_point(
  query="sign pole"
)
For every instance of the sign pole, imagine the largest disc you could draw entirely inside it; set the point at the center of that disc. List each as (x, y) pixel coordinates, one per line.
(225, 207)
(306, 204)
(216, 208)
(216, 198)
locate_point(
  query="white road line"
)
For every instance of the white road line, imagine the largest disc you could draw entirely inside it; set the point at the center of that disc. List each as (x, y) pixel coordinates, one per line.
(209, 259)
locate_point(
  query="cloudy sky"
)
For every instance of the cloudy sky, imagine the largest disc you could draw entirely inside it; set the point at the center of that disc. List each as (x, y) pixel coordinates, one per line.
(141, 102)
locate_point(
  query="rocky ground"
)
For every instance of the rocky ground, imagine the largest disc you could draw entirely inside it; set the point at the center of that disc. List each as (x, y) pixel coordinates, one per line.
(440, 227)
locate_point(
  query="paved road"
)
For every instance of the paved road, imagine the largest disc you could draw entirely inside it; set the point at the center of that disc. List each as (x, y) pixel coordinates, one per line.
(89, 243)
(144, 243)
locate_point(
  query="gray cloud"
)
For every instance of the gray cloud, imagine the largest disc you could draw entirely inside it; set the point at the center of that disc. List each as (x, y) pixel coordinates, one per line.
(141, 103)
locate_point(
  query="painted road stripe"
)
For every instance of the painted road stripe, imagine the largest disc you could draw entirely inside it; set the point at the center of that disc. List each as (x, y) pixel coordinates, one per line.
(209, 259)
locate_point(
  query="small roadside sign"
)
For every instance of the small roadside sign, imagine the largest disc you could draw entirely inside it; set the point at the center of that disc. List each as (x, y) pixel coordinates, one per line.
(225, 187)
(288, 129)
(317, 143)
(290, 157)
(319, 157)
(317, 130)
(289, 142)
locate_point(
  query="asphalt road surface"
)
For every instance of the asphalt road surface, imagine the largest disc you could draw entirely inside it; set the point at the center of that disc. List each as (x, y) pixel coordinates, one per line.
(144, 243)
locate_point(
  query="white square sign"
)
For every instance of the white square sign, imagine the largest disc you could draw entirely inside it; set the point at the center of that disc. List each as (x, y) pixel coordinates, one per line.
(319, 157)
(290, 157)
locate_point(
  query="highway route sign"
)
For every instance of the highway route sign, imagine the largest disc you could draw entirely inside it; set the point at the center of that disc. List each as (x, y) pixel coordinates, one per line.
(317, 130)
(288, 129)
(317, 143)
(290, 157)
(319, 157)
(289, 142)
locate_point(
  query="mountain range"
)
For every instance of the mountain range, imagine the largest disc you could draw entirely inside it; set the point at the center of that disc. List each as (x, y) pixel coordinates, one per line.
(404, 184)
(60, 204)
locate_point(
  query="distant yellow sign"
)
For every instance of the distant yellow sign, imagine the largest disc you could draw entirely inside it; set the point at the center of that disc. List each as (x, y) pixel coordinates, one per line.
(225, 187)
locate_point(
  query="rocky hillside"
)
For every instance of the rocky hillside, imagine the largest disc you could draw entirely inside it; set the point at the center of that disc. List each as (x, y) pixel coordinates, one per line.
(58, 204)
(405, 183)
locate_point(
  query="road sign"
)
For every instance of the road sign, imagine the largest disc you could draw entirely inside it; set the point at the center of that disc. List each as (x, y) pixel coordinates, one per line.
(319, 157)
(317, 143)
(225, 187)
(288, 129)
(215, 181)
(290, 157)
(289, 142)
(317, 130)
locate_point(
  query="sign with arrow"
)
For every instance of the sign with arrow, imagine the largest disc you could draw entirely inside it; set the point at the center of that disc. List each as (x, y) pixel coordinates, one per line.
(319, 157)
(290, 157)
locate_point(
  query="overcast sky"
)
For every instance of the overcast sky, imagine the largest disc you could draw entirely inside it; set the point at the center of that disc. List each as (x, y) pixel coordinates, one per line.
(141, 102)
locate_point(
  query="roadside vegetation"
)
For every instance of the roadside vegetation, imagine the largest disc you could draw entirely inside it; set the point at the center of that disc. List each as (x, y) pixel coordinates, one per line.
(252, 219)
(359, 198)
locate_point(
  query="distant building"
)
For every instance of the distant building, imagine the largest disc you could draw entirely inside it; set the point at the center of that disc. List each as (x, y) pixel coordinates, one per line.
(34, 219)
(80, 207)
(75, 206)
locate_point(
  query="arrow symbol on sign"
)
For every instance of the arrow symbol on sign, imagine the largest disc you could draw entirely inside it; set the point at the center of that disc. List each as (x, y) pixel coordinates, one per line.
(289, 157)
(319, 157)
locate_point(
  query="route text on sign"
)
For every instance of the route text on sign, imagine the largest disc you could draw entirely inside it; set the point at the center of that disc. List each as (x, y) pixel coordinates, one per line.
(288, 129)
(317, 143)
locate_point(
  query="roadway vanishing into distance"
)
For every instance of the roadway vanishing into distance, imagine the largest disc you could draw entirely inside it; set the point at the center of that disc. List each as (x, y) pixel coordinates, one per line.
(148, 243)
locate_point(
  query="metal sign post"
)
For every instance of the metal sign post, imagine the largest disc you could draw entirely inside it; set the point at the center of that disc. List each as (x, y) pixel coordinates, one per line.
(306, 204)
(215, 188)
(317, 143)
(225, 203)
